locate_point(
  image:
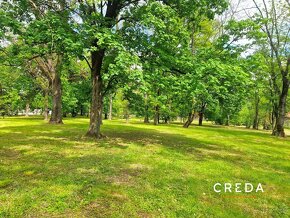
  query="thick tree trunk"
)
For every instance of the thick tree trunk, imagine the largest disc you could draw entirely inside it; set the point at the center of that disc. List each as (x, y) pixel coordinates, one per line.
(46, 111)
(200, 118)
(189, 120)
(278, 130)
(279, 125)
(56, 115)
(97, 97)
(111, 107)
(27, 109)
(156, 115)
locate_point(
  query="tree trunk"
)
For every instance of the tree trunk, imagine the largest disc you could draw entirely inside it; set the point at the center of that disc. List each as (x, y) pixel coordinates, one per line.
(189, 120)
(82, 110)
(74, 113)
(228, 120)
(200, 118)
(201, 113)
(156, 115)
(97, 97)
(256, 118)
(111, 107)
(56, 115)
(27, 109)
(279, 125)
(166, 120)
(146, 118)
(46, 111)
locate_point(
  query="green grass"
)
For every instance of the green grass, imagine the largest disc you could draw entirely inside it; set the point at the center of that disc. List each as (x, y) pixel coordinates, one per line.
(139, 170)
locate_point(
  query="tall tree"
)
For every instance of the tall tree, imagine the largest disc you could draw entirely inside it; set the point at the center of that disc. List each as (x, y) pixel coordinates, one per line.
(274, 19)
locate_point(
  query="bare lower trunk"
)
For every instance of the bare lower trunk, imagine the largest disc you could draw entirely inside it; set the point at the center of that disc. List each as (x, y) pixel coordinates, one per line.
(200, 118)
(201, 114)
(56, 115)
(279, 125)
(256, 121)
(45, 105)
(278, 130)
(228, 120)
(156, 115)
(27, 109)
(97, 97)
(111, 107)
(189, 120)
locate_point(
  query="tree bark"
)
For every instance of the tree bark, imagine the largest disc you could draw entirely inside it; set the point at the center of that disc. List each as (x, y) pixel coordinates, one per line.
(156, 115)
(97, 96)
(200, 118)
(201, 114)
(56, 115)
(189, 120)
(279, 126)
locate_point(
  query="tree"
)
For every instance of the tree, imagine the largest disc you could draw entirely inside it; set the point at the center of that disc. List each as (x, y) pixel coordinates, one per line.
(274, 19)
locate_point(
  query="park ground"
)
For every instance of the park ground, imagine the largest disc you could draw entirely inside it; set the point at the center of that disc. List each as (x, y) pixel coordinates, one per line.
(139, 170)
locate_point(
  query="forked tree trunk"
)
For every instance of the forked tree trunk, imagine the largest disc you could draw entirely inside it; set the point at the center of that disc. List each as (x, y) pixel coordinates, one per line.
(45, 105)
(97, 97)
(189, 120)
(56, 115)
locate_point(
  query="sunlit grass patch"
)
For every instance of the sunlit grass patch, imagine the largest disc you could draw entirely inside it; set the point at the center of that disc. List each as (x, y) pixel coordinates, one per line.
(139, 170)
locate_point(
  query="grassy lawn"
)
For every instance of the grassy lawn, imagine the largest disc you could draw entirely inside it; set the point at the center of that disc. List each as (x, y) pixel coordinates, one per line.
(139, 170)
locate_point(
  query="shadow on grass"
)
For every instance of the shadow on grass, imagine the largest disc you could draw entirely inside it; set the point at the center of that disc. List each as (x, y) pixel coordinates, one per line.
(57, 162)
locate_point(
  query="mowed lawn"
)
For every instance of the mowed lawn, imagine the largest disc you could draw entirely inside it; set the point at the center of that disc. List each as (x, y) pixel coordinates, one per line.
(140, 170)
